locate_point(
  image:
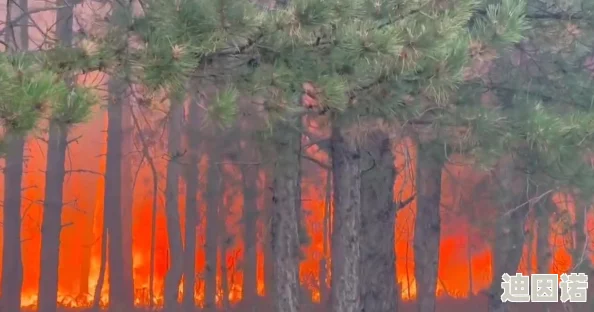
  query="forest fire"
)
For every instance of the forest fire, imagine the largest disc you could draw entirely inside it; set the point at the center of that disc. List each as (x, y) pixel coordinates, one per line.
(160, 192)
(465, 258)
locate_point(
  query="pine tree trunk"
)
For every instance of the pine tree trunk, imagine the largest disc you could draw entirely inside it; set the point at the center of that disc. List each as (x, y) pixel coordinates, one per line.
(127, 206)
(192, 184)
(509, 230)
(112, 201)
(378, 220)
(249, 175)
(285, 222)
(346, 253)
(51, 226)
(543, 249)
(174, 274)
(16, 38)
(12, 266)
(268, 256)
(213, 194)
(427, 226)
(581, 253)
(581, 261)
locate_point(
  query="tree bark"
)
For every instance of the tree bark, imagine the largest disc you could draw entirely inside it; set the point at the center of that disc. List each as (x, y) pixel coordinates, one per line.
(378, 221)
(427, 226)
(112, 200)
(346, 252)
(509, 229)
(12, 265)
(127, 206)
(581, 253)
(155, 193)
(285, 223)
(268, 256)
(51, 226)
(249, 175)
(192, 184)
(16, 38)
(119, 296)
(174, 274)
(213, 195)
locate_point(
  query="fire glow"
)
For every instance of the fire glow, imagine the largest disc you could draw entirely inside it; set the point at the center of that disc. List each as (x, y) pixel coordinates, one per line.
(465, 256)
(465, 260)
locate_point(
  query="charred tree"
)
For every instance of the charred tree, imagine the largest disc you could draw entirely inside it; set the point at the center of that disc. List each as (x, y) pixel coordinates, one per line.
(285, 220)
(213, 196)
(346, 252)
(127, 202)
(174, 274)
(112, 199)
(249, 178)
(119, 297)
(268, 256)
(192, 181)
(16, 38)
(12, 265)
(378, 220)
(51, 226)
(155, 193)
(427, 224)
(580, 254)
(509, 227)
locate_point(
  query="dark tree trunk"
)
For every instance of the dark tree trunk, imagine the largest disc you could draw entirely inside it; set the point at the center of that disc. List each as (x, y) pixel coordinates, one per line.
(12, 265)
(113, 194)
(127, 205)
(16, 38)
(378, 220)
(51, 226)
(581, 253)
(213, 195)
(427, 225)
(268, 256)
(249, 175)
(346, 167)
(155, 193)
(192, 182)
(285, 224)
(545, 209)
(174, 274)
(509, 229)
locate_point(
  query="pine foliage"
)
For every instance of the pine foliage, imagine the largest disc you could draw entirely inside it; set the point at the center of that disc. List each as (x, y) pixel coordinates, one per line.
(413, 63)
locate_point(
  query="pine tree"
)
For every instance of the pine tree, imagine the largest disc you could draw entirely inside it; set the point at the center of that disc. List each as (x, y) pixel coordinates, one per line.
(73, 107)
(549, 116)
(18, 117)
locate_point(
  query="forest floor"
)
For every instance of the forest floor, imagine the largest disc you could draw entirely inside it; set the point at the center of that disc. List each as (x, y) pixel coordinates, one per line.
(475, 304)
